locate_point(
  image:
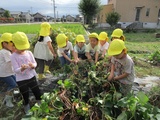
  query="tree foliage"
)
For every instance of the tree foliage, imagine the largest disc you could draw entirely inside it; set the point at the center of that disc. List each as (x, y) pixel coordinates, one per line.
(112, 18)
(89, 9)
(6, 14)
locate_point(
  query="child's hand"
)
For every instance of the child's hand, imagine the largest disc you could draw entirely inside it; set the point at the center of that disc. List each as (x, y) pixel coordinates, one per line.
(110, 77)
(54, 55)
(77, 60)
(31, 65)
(24, 66)
(102, 56)
(72, 61)
(115, 78)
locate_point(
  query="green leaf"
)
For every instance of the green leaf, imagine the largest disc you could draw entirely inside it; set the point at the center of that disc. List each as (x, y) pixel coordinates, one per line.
(122, 116)
(158, 116)
(143, 109)
(100, 101)
(67, 83)
(143, 99)
(60, 82)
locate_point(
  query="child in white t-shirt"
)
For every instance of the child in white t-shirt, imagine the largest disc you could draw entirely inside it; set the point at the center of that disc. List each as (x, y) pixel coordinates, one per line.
(92, 49)
(6, 71)
(103, 43)
(64, 49)
(43, 51)
(79, 48)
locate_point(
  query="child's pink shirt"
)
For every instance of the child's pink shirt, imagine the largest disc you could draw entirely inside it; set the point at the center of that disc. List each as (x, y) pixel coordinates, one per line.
(17, 60)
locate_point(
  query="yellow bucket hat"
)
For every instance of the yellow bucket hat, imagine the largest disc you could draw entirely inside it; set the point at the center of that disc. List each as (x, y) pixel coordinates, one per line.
(116, 47)
(45, 29)
(61, 40)
(118, 33)
(5, 37)
(93, 35)
(80, 38)
(103, 36)
(20, 41)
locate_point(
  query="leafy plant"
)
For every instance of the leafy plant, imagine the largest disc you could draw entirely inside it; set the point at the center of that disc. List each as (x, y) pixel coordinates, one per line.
(91, 97)
(154, 96)
(112, 18)
(155, 58)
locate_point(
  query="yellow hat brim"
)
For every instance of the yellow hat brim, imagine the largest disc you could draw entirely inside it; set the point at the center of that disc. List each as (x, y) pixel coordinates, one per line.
(111, 53)
(62, 45)
(93, 36)
(102, 38)
(22, 47)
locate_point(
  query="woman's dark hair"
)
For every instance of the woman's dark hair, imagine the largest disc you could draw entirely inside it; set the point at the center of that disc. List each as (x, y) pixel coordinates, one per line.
(40, 39)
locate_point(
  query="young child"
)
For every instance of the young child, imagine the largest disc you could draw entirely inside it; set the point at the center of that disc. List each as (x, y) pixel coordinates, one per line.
(103, 40)
(122, 69)
(64, 49)
(79, 48)
(117, 34)
(43, 51)
(92, 49)
(24, 65)
(6, 72)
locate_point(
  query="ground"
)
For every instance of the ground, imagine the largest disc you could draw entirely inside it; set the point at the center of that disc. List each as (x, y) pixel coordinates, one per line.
(17, 113)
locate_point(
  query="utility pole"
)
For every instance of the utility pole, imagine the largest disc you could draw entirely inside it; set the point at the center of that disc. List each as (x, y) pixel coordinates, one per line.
(54, 10)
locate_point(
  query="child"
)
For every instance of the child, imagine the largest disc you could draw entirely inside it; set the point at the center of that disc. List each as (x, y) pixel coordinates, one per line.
(24, 65)
(122, 69)
(92, 49)
(6, 73)
(79, 48)
(64, 49)
(118, 34)
(43, 51)
(103, 40)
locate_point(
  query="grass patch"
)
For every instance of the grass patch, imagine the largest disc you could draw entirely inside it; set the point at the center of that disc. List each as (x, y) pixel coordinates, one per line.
(34, 28)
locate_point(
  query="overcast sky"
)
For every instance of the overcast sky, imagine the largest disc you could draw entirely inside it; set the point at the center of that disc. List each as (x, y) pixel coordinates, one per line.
(45, 7)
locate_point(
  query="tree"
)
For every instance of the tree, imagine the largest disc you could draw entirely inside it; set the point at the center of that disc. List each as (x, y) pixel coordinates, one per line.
(89, 9)
(112, 18)
(6, 14)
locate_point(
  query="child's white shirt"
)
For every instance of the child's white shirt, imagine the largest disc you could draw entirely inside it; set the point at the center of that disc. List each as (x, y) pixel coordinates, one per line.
(6, 68)
(104, 47)
(92, 50)
(66, 50)
(41, 50)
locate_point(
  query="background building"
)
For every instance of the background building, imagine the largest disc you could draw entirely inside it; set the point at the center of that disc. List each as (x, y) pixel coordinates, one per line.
(140, 14)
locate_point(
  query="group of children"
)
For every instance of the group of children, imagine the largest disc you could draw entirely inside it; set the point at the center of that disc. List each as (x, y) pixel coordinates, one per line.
(93, 51)
(17, 63)
(122, 66)
(17, 66)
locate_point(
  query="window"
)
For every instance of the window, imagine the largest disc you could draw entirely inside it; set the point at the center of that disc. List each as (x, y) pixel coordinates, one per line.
(159, 13)
(147, 12)
(137, 14)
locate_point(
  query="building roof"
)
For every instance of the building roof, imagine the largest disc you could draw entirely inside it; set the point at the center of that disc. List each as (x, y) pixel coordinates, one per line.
(15, 12)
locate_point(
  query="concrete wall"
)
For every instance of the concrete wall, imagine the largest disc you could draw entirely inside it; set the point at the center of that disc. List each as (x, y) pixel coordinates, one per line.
(128, 9)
